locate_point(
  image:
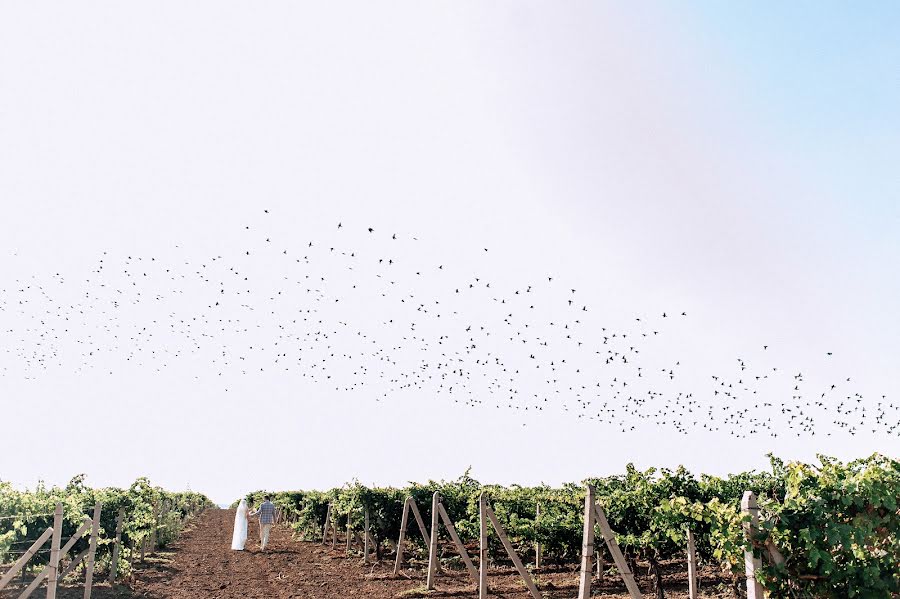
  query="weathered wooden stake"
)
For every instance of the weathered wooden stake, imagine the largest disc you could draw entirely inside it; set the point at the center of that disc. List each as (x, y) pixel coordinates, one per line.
(410, 506)
(333, 534)
(692, 565)
(512, 553)
(20, 563)
(433, 544)
(460, 548)
(537, 544)
(587, 546)
(64, 550)
(114, 565)
(349, 537)
(70, 568)
(404, 522)
(751, 562)
(482, 548)
(92, 552)
(616, 553)
(419, 521)
(53, 566)
(594, 515)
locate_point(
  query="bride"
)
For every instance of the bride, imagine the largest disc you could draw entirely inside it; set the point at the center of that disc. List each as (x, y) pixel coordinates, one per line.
(239, 539)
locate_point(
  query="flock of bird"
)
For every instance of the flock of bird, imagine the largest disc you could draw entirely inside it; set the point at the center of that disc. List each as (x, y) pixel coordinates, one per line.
(379, 319)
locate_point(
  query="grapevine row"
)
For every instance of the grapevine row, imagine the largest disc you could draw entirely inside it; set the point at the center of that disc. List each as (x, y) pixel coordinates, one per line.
(836, 524)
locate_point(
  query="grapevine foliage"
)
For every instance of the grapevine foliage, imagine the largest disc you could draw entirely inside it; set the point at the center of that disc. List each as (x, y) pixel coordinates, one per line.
(25, 515)
(836, 525)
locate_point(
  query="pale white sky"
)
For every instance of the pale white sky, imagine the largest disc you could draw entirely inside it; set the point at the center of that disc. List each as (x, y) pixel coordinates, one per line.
(646, 156)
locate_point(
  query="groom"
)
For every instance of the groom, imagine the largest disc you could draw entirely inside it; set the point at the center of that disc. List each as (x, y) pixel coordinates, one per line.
(266, 512)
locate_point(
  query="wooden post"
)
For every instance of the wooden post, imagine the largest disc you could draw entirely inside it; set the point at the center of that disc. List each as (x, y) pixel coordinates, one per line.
(692, 565)
(70, 568)
(482, 548)
(512, 553)
(143, 549)
(20, 563)
(433, 544)
(92, 552)
(114, 565)
(598, 558)
(419, 521)
(617, 556)
(366, 539)
(349, 512)
(587, 547)
(537, 544)
(333, 534)
(327, 522)
(404, 522)
(460, 548)
(53, 566)
(751, 562)
(63, 551)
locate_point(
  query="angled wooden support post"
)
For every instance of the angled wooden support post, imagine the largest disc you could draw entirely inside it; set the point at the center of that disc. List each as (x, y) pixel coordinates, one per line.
(117, 547)
(433, 543)
(20, 563)
(482, 547)
(593, 514)
(327, 523)
(63, 551)
(409, 506)
(53, 566)
(404, 522)
(72, 565)
(419, 521)
(619, 559)
(498, 528)
(460, 548)
(751, 562)
(92, 551)
(693, 592)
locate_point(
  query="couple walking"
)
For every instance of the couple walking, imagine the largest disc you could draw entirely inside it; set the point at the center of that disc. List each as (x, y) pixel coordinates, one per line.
(266, 512)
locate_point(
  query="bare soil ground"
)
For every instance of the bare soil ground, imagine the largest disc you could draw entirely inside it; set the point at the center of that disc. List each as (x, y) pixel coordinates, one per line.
(202, 565)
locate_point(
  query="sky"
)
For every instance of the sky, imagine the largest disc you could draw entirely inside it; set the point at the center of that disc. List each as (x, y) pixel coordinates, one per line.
(733, 162)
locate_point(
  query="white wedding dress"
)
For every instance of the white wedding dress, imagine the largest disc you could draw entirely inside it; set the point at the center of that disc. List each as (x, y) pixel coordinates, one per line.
(239, 539)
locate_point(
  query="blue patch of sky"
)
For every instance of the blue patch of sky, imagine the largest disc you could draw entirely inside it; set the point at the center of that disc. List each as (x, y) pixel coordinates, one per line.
(823, 80)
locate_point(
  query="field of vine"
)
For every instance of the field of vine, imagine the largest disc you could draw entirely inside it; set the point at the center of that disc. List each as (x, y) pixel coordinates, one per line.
(834, 527)
(148, 512)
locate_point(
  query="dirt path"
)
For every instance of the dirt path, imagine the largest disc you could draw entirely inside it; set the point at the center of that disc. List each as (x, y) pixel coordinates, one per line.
(202, 565)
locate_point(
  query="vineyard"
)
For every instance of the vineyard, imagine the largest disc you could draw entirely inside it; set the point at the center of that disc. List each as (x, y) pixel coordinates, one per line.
(130, 522)
(826, 530)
